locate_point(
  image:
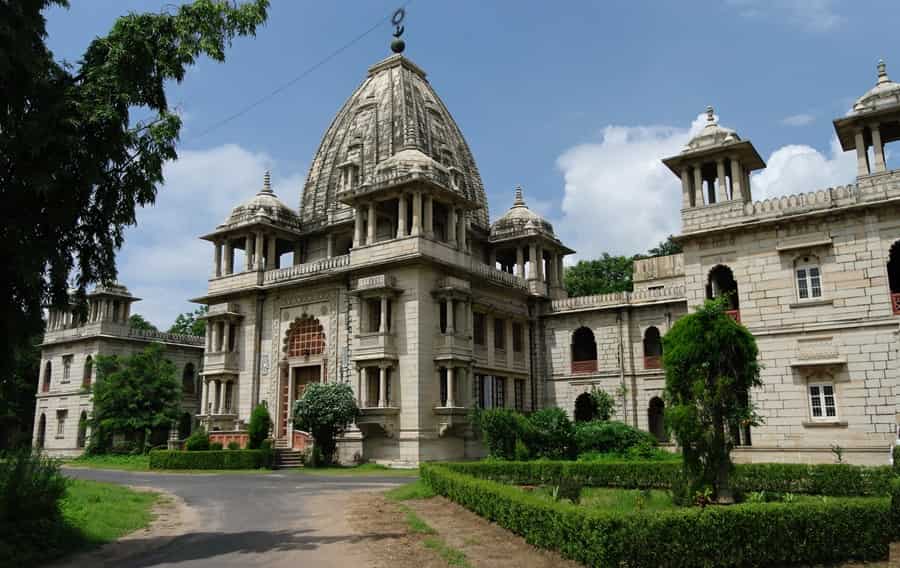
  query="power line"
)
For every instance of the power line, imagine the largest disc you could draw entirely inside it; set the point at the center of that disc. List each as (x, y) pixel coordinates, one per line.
(302, 75)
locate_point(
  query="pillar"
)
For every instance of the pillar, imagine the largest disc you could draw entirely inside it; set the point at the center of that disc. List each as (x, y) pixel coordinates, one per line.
(452, 226)
(737, 185)
(489, 337)
(358, 227)
(429, 216)
(463, 222)
(401, 216)
(450, 397)
(382, 387)
(508, 336)
(492, 258)
(204, 394)
(416, 228)
(721, 188)
(218, 259)
(329, 245)
(382, 326)
(248, 258)
(562, 271)
(520, 262)
(361, 390)
(532, 261)
(229, 257)
(258, 255)
(451, 324)
(686, 188)
(298, 253)
(552, 268)
(272, 254)
(698, 186)
(373, 223)
(862, 157)
(208, 338)
(540, 263)
(878, 147)
(468, 317)
(226, 337)
(221, 392)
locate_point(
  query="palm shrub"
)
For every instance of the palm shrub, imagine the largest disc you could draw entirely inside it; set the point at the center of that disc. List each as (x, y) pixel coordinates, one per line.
(325, 410)
(258, 429)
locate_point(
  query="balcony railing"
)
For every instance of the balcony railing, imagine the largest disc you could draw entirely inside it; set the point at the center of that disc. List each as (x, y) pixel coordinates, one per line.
(584, 367)
(734, 314)
(895, 303)
(652, 362)
(299, 270)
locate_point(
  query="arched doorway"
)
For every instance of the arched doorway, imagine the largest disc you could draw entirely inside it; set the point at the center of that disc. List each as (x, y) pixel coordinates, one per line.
(584, 351)
(187, 379)
(82, 430)
(721, 283)
(585, 407)
(304, 345)
(893, 270)
(652, 348)
(656, 419)
(41, 432)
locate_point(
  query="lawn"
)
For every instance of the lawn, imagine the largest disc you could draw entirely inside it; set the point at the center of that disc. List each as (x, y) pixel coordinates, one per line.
(113, 461)
(366, 469)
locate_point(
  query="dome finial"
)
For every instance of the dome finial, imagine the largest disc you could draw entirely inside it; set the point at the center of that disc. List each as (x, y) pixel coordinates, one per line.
(398, 45)
(882, 72)
(710, 114)
(267, 182)
(519, 201)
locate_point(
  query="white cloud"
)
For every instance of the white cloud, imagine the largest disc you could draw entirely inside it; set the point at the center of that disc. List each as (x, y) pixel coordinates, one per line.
(801, 119)
(162, 260)
(620, 198)
(811, 15)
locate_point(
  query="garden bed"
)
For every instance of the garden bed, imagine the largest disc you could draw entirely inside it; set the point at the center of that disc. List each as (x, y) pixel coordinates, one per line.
(810, 530)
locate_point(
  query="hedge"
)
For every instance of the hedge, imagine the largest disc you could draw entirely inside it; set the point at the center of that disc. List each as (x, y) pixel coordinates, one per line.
(839, 480)
(212, 459)
(895, 507)
(763, 534)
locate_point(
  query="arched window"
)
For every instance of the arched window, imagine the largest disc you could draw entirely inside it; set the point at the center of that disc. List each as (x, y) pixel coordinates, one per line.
(305, 337)
(187, 379)
(585, 407)
(808, 277)
(893, 269)
(41, 433)
(655, 418)
(721, 283)
(82, 430)
(584, 351)
(88, 371)
(652, 349)
(48, 371)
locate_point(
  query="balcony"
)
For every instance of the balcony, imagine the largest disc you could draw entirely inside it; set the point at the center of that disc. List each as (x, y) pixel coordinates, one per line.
(451, 417)
(452, 346)
(652, 362)
(374, 345)
(221, 361)
(374, 420)
(895, 303)
(309, 269)
(584, 367)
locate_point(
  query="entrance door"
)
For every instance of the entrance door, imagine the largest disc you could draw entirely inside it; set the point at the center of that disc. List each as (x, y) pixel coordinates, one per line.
(303, 377)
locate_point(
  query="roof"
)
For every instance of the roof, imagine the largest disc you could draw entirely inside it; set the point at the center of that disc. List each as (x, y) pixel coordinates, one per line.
(265, 208)
(712, 142)
(881, 103)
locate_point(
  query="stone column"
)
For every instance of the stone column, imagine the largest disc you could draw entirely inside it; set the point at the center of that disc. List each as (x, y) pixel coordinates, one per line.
(258, 255)
(450, 398)
(298, 253)
(462, 229)
(862, 156)
(698, 186)
(737, 186)
(401, 216)
(562, 271)
(217, 270)
(721, 188)
(248, 258)
(358, 227)
(451, 325)
(382, 386)
(452, 226)
(492, 258)
(686, 192)
(878, 148)
(226, 336)
(508, 324)
(429, 216)
(329, 245)
(489, 337)
(208, 338)
(468, 317)
(553, 269)
(229, 257)
(204, 394)
(272, 254)
(361, 390)
(532, 262)
(221, 391)
(373, 224)
(416, 228)
(382, 326)
(520, 262)
(540, 263)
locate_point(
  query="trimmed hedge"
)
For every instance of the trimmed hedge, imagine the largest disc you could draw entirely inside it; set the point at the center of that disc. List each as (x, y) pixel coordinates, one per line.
(895, 507)
(741, 535)
(212, 459)
(839, 480)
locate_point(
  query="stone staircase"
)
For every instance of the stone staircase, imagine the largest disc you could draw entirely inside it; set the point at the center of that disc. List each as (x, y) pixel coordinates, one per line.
(286, 458)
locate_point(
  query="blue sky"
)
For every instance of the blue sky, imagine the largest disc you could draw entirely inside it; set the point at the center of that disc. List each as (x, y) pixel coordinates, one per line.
(575, 102)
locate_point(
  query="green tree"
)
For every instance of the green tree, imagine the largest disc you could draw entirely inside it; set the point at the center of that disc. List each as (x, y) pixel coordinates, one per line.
(17, 391)
(258, 429)
(601, 276)
(605, 404)
(326, 410)
(189, 323)
(134, 395)
(711, 365)
(137, 321)
(665, 248)
(81, 146)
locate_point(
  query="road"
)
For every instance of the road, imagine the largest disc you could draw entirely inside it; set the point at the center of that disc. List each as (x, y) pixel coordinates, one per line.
(254, 519)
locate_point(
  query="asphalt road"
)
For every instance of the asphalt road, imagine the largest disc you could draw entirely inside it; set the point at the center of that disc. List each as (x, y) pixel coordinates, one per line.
(241, 520)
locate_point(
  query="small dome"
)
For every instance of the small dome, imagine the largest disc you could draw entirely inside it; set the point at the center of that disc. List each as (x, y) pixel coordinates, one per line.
(711, 135)
(265, 205)
(408, 160)
(519, 219)
(885, 93)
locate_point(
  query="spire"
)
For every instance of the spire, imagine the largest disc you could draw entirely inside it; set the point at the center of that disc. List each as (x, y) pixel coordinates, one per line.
(398, 45)
(882, 72)
(710, 114)
(519, 200)
(267, 182)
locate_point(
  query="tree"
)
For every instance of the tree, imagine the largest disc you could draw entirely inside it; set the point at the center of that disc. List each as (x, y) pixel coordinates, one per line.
(17, 391)
(601, 276)
(137, 321)
(604, 403)
(74, 164)
(325, 410)
(189, 323)
(134, 395)
(665, 248)
(258, 429)
(710, 363)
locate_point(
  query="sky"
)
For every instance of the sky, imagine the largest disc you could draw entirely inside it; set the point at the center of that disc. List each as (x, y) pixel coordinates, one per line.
(578, 102)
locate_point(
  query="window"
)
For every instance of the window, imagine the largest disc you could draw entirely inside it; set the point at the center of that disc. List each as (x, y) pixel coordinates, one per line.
(187, 379)
(584, 351)
(481, 386)
(721, 282)
(48, 371)
(809, 280)
(442, 320)
(82, 430)
(67, 367)
(444, 393)
(478, 325)
(373, 315)
(519, 394)
(518, 338)
(61, 422)
(232, 337)
(88, 371)
(652, 349)
(822, 405)
(499, 333)
(305, 337)
(499, 392)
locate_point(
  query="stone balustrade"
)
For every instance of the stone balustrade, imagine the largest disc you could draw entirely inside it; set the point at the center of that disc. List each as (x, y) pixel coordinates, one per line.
(616, 299)
(505, 278)
(301, 270)
(182, 338)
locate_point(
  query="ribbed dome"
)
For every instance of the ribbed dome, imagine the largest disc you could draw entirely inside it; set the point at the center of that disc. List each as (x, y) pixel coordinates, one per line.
(264, 206)
(518, 220)
(711, 135)
(393, 122)
(885, 93)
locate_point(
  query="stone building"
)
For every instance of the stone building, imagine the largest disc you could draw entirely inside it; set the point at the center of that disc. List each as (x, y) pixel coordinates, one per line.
(390, 277)
(67, 371)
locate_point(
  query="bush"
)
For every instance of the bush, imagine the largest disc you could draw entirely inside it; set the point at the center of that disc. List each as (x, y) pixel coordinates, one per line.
(325, 411)
(741, 535)
(266, 445)
(500, 429)
(234, 445)
(895, 507)
(896, 456)
(212, 459)
(198, 441)
(125, 447)
(258, 429)
(215, 446)
(610, 437)
(551, 434)
(606, 405)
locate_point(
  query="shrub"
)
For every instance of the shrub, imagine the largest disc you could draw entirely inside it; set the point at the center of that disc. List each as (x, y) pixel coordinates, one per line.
(551, 434)
(258, 429)
(125, 447)
(896, 455)
(606, 405)
(232, 445)
(325, 410)
(212, 459)
(198, 441)
(895, 507)
(266, 445)
(610, 437)
(740, 535)
(215, 446)
(500, 429)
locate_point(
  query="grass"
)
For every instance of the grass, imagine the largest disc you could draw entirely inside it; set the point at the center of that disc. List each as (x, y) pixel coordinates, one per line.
(103, 512)
(373, 469)
(113, 461)
(416, 490)
(621, 500)
(417, 525)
